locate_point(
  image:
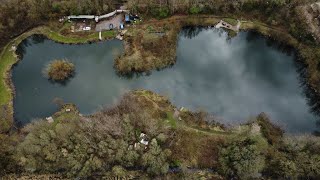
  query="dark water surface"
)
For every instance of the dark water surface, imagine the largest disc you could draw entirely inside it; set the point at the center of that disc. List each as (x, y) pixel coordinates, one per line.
(233, 79)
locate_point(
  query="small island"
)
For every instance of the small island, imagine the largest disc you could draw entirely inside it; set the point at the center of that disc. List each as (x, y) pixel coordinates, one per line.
(60, 70)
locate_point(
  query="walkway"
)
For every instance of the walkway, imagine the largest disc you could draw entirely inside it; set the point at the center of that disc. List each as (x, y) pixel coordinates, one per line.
(223, 24)
(97, 18)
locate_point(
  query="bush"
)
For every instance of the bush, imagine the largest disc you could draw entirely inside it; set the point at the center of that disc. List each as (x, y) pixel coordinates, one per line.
(155, 159)
(270, 131)
(280, 166)
(160, 13)
(195, 10)
(119, 171)
(241, 159)
(6, 120)
(308, 165)
(8, 163)
(60, 70)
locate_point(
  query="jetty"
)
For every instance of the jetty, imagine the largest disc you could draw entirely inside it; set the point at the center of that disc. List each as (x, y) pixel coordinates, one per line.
(223, 24)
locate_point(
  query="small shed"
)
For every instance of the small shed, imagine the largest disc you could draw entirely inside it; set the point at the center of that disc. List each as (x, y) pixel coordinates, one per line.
(144, 140)
(49, 119)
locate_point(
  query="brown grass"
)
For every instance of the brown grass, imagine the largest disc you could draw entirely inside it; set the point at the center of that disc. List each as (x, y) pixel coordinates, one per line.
(60, 70)
(147, 50)
(196, 149)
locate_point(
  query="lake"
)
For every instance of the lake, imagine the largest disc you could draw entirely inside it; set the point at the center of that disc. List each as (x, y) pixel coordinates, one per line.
(233, 79)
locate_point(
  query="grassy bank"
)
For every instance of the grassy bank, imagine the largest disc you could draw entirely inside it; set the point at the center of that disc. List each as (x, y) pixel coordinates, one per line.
(8, 58)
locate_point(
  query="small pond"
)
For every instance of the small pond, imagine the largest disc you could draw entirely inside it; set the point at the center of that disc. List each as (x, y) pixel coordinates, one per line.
(234, 79)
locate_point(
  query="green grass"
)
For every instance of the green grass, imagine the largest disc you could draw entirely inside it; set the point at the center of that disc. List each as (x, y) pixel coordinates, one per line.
(7, 59)
(66, 116)
(231, 21)
(171, 120)
(90, 36)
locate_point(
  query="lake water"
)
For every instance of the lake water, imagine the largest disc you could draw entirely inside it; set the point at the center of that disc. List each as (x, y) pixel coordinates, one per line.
(234, 79)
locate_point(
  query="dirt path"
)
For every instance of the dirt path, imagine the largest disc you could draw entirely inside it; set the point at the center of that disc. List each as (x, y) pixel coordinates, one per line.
(105, 25)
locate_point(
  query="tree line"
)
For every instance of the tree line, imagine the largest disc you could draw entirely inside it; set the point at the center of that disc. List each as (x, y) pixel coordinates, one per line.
(273, 12)
(17, 16)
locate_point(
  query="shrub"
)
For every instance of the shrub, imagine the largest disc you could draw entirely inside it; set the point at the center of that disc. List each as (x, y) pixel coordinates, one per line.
(60, 70)
(308, 165)
(8, 163)
(241, 159)
(195, 10)
(6, 120)
(270, 131)
(160, 13)
(280, 166)
(155, 159)
(163, 12)
(118, 171)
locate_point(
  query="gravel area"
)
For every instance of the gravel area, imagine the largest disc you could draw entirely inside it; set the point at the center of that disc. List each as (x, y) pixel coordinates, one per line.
(105, 24)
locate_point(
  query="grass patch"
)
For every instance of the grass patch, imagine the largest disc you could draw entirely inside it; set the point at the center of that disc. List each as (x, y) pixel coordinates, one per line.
(77, 38)
(231, 21)
(171, 120)
(195, 149)
(63, 115)
(7, 59)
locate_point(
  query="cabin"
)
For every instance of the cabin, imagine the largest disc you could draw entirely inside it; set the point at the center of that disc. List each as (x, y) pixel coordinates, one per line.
(143, 139)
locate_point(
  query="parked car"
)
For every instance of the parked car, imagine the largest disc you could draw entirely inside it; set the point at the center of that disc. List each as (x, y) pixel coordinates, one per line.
(121, 26)
(110, 26)
(87, 28)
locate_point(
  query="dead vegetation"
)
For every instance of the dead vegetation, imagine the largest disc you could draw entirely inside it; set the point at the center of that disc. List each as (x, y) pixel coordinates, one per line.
(195, 149)
(60, 70)
(148, 47)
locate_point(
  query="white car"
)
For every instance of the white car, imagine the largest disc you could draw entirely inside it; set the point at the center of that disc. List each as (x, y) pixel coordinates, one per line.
(86, 28)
